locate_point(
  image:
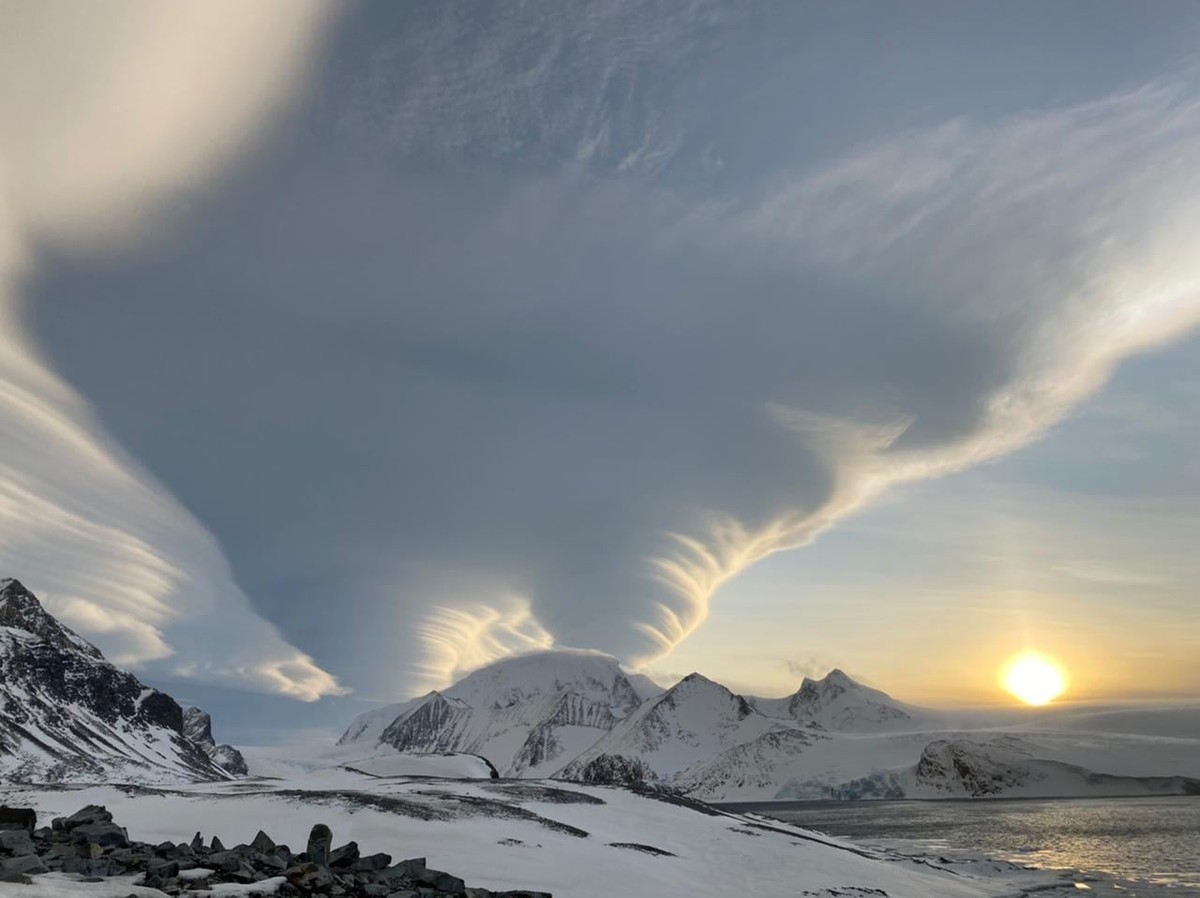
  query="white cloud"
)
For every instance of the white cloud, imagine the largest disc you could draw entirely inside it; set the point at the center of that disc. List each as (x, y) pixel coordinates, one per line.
(107, 108)
(1073, 233)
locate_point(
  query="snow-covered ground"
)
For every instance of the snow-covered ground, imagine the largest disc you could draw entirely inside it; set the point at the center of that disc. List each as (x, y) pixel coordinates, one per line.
(575, 841)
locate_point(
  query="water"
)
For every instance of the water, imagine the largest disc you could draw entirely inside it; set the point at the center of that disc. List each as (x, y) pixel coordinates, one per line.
(1143, 840)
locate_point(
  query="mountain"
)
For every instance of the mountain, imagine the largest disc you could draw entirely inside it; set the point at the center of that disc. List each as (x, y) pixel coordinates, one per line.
(838, 702)
(578, 716)
(197, 726)
(697, 736)
(592, 676)
(1002, 768)
(527, 715)
(66, 714)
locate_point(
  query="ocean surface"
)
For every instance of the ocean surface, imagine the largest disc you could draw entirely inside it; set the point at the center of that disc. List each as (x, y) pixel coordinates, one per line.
(1155, 841)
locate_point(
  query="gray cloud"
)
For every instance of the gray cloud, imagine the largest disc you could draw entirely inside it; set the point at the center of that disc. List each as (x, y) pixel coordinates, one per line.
(530, 328)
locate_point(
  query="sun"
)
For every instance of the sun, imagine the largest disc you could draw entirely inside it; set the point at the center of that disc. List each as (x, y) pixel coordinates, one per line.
(1033, 678)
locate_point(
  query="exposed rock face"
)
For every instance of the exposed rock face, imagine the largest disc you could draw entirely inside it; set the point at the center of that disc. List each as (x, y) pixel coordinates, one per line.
(66, 714)
(671, 740)
(557, 702)
(90, 844)
(838, 702)
(197, 726)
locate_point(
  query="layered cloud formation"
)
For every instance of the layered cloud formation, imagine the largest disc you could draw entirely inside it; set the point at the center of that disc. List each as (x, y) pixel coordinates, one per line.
(108, 107)
(536, 325)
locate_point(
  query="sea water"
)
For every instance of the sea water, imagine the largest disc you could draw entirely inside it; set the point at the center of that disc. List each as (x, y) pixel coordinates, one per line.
(1143, 840)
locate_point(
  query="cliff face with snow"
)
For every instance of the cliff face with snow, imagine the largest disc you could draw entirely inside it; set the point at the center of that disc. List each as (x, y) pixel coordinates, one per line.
(527, 715)
(66, 714)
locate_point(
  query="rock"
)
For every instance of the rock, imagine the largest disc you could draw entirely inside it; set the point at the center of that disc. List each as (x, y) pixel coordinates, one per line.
(17, 818)
(372, 863)
(228, 861)
(217, 845)
(309, 877)
(163, 869)
(93, 814)
(375, 890)
(16, 841)
(443, 882)
(105, 835)
(13, 876)
(29, 863)
(197, 843)
(319, 842)
(263, 843)
(344, 856)
(405, 893)
(269, 862)
(408, 869)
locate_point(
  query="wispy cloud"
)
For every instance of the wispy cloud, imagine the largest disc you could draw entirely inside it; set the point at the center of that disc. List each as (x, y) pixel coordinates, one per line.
(141, 100)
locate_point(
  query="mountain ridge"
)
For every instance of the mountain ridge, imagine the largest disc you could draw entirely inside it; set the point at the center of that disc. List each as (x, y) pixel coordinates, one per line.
(68, 715)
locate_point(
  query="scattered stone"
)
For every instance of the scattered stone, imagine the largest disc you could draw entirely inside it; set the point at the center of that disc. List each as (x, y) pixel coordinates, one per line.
(90, 847)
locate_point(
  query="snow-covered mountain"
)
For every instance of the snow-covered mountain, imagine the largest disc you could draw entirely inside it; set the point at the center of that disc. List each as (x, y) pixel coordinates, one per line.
(838, 702)
(1002, 767)
(527, 715)
(578, 716)
(698, 736)
(66, 714)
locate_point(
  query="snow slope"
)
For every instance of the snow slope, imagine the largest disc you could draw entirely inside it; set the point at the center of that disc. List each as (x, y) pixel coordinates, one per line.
(574, 841)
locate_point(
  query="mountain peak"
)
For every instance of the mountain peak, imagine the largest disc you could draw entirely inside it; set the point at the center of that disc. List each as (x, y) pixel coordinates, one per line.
(71, 715)
(21, 610)
(593, 675)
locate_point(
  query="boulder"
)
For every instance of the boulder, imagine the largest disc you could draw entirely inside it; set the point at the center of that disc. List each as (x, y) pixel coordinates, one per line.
(105, 835)
(319, 842)
(372, 863)
(27, 864)
(344, 856)
(309, 877)
(16, 841)
(443, 882)
(17, 818)
(263, 843)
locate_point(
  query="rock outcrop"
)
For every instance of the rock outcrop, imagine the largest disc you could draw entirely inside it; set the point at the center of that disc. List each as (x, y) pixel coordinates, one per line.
(67, 714)
(197, 726)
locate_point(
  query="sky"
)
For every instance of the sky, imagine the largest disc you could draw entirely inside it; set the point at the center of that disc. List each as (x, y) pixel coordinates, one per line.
(346, 347)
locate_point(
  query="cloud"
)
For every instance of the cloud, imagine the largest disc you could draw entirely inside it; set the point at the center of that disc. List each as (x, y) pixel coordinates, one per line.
(108, 109)
(459, 640)
(487, 303)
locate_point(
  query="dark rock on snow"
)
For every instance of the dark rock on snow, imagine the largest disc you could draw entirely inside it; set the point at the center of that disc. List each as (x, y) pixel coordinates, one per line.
(91, 845)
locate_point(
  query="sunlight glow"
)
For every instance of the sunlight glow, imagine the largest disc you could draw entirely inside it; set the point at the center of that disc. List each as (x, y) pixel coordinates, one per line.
(1033, 678)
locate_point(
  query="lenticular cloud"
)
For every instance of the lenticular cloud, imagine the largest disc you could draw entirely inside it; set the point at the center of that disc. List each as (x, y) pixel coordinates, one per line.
(133, 108)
